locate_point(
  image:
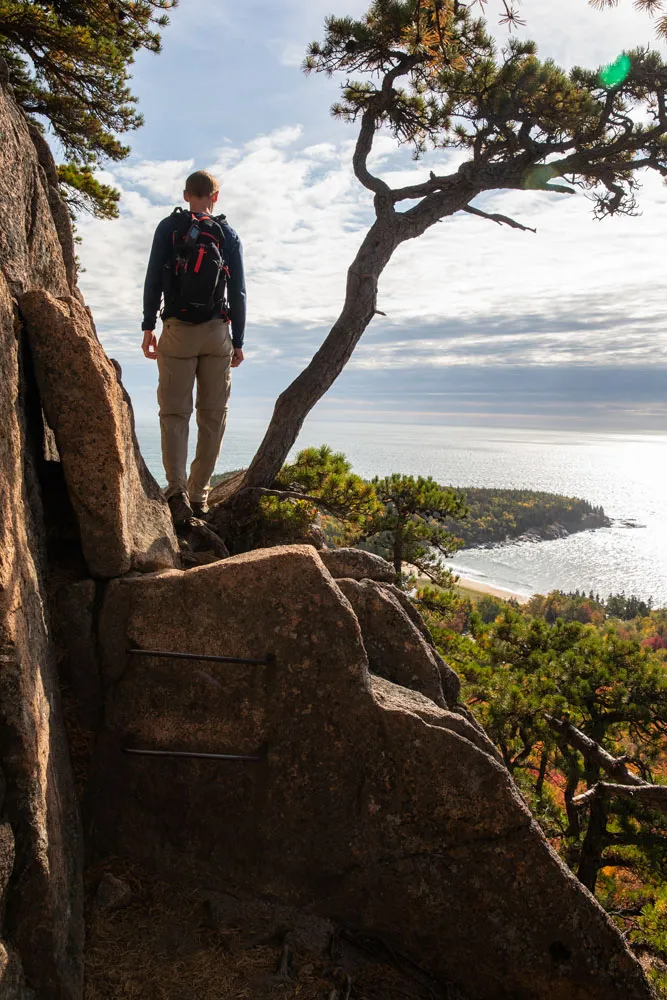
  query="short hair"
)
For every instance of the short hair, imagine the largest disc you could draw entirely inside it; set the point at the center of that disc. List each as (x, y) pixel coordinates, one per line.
(201, 184)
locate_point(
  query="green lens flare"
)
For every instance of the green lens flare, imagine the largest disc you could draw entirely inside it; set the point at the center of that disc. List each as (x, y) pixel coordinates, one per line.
(617, 72)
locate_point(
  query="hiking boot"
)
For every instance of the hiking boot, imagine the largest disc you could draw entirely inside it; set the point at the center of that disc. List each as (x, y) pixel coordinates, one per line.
(181, 511)
(200, 510)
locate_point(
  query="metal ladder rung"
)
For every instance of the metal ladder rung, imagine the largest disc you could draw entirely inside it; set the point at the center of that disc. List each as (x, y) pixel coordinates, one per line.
(169, 655)
(189, 754)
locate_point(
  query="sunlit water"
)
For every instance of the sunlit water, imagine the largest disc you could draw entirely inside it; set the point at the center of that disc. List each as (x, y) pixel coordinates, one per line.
(626, 474)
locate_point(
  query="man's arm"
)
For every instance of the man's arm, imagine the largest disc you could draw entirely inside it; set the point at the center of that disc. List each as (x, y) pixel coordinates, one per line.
(154, 284)
(237, 298)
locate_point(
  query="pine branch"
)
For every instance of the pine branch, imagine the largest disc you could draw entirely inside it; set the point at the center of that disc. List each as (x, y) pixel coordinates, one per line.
(378, 104)
(501, 220)
(414, 191)
(626, 785)
(596, 754)
(254, 494)
(649, 795)
(362, 151)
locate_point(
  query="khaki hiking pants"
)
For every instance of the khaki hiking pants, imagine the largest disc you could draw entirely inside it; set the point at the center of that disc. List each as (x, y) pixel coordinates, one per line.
(185, 352)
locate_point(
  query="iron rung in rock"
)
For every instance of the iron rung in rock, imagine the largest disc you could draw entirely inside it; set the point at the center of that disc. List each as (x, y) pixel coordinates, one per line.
(189, 754)
(169, 655)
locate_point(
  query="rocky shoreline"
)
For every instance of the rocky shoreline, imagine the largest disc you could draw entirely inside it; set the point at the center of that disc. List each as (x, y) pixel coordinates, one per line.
(550, 532)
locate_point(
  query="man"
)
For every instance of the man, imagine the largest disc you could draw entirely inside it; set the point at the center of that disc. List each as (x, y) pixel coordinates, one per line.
(195, 259)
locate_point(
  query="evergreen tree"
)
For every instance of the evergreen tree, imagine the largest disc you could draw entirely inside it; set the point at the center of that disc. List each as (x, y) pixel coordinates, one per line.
(412, 509)
(521, 670)
(325, 478)
(579, 713)
(69, 65)
(428, 72)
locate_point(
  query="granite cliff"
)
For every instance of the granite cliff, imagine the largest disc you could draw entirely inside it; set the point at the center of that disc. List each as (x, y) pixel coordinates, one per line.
(369, 797)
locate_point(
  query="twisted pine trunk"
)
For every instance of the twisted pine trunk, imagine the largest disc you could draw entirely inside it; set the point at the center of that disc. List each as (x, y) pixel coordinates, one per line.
(398, 549)
(294, 404)
(595, 841)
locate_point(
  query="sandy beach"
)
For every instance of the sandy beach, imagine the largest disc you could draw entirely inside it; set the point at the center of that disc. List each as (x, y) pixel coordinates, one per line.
(468, 587)
(475, 587)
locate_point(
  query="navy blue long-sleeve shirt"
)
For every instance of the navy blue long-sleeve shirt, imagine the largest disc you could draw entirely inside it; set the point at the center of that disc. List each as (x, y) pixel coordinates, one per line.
(161, 255)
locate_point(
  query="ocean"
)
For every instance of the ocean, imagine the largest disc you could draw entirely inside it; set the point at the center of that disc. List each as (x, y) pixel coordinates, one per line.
(625, 473)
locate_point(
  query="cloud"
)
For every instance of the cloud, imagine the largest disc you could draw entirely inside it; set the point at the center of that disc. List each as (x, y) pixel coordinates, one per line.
(467, 291)
(298, 210)
(480, 320)
(574, 33)
(558, 396)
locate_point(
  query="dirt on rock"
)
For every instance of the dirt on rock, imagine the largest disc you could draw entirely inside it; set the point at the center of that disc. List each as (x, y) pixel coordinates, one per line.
(175, 943)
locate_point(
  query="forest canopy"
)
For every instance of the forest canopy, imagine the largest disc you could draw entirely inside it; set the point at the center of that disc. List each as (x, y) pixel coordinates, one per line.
(565, 689)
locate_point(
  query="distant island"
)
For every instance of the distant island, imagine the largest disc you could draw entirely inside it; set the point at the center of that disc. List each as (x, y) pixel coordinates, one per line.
(500, 516)
(496, 516)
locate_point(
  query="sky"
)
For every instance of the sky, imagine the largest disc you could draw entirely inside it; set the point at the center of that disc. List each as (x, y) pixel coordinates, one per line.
(564, 328)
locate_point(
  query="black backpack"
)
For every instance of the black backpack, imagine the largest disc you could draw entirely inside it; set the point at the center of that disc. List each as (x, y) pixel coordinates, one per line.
(195, 278)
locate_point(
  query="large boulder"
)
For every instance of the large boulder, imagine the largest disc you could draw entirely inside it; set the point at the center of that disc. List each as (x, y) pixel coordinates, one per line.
(365, 801)
(123, 519)
(395, 647)
(451, 684)
(44, 912)
(356, 564)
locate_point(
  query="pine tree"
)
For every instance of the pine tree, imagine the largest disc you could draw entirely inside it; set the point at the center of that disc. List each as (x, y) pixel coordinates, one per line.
(410, 519)
(428, 72)
(325, 477)
(69, 62)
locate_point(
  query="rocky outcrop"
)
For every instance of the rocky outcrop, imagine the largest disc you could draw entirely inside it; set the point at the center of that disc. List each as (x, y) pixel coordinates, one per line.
(44, 913)
(59, 211)
(399, 644)
(355, 564)
(123, 519)
(299, 770)
(395, 648)
(41, 862)
(41, 852)
(30, 251)
(365, 802)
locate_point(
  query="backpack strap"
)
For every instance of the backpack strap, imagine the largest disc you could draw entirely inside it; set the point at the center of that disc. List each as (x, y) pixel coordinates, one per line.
(182, 220)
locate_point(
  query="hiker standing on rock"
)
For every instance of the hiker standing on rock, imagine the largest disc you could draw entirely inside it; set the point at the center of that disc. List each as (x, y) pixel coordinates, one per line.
(196, 265)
